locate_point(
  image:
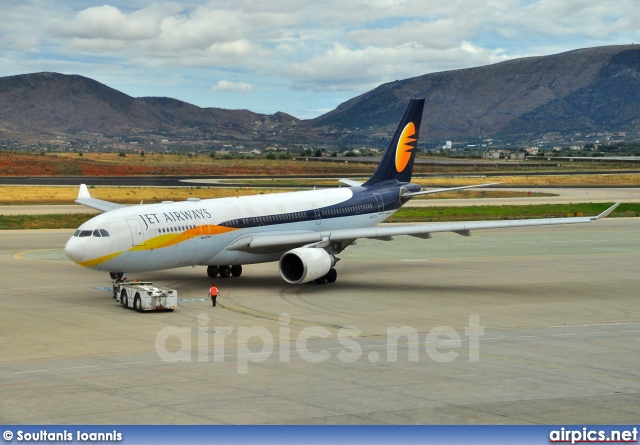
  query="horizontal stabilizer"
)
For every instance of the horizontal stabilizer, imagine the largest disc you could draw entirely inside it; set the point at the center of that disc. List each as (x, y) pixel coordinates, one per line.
(351, 182)
(428, 192)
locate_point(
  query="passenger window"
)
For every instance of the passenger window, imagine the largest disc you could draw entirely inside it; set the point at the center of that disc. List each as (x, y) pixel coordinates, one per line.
(104, 232)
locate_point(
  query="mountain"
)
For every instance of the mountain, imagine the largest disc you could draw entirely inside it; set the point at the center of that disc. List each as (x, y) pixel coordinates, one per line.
(587, 90)
(594, 89)
(43, 103)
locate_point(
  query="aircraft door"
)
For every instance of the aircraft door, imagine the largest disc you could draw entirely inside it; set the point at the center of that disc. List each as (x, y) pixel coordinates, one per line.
(204, 230)
(137, 235)
(318, 217)
(379, 201)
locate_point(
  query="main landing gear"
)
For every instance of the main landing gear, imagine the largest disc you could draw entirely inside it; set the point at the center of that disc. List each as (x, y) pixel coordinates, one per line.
(224, 271)
(330, 277)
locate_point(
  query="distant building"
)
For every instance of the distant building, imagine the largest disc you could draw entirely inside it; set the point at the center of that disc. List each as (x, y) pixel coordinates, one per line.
(493, 154)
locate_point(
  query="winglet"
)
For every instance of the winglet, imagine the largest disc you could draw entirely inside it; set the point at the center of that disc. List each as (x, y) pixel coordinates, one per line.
(606, 212)
(84, 198)
(84, 192)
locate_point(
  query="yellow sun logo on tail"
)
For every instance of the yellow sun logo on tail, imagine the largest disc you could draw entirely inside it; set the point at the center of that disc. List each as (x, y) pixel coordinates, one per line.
(406, 146)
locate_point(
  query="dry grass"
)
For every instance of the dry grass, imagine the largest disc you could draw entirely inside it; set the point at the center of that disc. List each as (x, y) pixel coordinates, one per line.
(16, 195)
(600, 180)
(615, 179)
(205, 165)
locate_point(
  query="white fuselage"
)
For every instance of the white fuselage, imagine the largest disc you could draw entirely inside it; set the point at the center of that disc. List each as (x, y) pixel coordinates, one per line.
(176, 234)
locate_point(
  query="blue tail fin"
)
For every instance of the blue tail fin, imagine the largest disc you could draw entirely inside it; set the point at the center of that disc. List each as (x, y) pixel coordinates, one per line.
(397, 161)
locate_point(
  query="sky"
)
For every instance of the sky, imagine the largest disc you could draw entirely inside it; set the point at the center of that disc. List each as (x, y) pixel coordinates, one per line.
(300, 57)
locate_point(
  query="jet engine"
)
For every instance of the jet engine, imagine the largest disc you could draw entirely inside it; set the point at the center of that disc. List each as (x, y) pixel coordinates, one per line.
(305, 264)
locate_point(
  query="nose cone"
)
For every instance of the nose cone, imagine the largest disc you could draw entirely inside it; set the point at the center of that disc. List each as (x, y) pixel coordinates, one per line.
(75, 249)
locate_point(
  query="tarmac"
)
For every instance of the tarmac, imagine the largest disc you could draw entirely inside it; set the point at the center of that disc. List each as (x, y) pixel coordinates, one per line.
(523, 326)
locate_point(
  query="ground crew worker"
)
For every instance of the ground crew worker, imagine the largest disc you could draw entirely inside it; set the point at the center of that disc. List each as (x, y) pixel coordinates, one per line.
(214, 293)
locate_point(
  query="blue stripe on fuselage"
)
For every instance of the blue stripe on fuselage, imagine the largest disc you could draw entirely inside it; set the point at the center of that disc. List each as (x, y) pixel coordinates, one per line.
(365, 200)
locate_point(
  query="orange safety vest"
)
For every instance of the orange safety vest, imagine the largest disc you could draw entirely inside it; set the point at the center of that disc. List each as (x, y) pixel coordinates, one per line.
(213, 291)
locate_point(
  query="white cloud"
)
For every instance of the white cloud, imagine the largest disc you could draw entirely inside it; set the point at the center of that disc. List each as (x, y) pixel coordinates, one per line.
(109, 23)
(235, 87)
(343, 69)
(320, 47)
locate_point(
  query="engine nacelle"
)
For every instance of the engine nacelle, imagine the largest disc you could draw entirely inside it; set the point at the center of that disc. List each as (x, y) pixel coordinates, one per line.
(305, 264)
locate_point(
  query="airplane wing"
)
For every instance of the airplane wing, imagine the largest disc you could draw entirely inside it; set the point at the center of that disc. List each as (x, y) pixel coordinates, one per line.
(85, 199)
(278, 242)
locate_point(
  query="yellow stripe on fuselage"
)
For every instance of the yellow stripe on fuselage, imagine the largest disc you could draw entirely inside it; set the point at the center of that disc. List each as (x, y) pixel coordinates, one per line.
(94, 262)
(171, 239)
(164, 240)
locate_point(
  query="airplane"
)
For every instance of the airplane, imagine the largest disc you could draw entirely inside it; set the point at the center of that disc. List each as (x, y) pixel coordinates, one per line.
(304, 231)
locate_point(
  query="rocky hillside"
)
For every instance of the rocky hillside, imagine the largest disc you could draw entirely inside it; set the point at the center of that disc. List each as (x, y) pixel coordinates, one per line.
(594, 89)
(587, 90)
(57, 103)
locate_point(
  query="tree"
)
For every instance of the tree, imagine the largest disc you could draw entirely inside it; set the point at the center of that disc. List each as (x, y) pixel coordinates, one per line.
(318, 153)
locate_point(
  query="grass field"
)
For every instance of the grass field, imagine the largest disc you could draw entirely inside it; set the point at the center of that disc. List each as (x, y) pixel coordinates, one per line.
(503, 212)
(17, 195)
(432, 214)
(19, 222)
(111, 164)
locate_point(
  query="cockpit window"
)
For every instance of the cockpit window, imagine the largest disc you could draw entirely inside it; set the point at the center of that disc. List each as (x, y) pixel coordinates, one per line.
(77, 233)
(104, 232)
(96, 233)
(85, 233)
